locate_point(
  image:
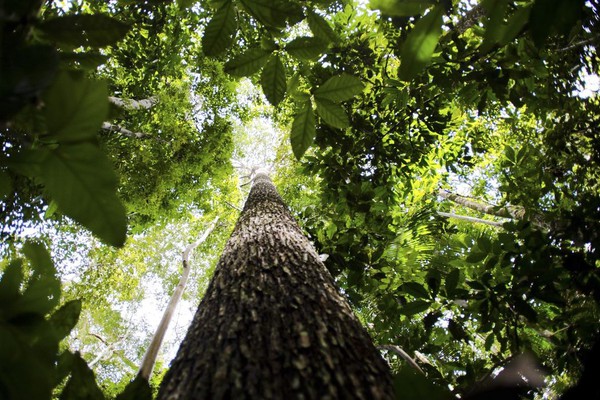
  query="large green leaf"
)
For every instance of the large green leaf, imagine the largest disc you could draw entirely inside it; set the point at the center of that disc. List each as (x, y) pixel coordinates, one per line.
(65, 318)
(75, 107)
(220, 31)
(400, 8)
(339, 88)
(272, 13)
(415, 307)
(410, 384)
(320, 27)
(95, 30)
(247, 63)
(303, 129)
(137, 389)
(420, 44)
(81, 180)
(332, 113)
(549, 16)
(82, 383)
(6, 186)
(273, 80)
(306, 48)
(10, 282)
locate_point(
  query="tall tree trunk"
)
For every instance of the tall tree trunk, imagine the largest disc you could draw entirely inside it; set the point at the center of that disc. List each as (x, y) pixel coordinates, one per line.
(272, 324)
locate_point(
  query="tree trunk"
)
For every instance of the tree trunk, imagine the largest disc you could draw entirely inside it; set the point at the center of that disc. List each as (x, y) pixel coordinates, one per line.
(272, 324)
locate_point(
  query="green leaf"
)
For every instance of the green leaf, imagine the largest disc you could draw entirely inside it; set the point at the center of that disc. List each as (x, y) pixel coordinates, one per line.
(247, 63)
(39, 258)
(306, 48)
(220, 31)
(339, 88)
(484, 244)
(303, 129)
(81, 180)
(273, 80)
(475, 256)
(333, 114)
(550, 16)
(494, 25)
(82, 383)
(515, 24)
(415, 289)
(420, 44)
(75, 107)
(400, 8)
(95, 30)
(415, 307)
(137, 389)
(6, 186)
(10, 283)
(452, 281)
(273, 13)
(86, 61)
(320, 27)
(65, 318)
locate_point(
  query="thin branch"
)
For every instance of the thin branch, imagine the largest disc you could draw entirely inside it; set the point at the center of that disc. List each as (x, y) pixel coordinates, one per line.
(404, 355)
(131, 104)
(470, 219)
(150, 356)
(123, 131)
(233, 206)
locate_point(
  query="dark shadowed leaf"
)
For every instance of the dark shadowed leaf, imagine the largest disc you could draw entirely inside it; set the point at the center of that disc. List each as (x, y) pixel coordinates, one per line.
(415, 307)
(306, 48)
(415, 289)
(95, 30)
(333, 114)
(82, 383)
(339, 88)
(247, 63)
(6, 186)
(65, 318)
(320, 27)
(273, 80)
(410, 384)
(220, 31)
(420, 44)
(400, 8)
(303, 129)
(137, 389)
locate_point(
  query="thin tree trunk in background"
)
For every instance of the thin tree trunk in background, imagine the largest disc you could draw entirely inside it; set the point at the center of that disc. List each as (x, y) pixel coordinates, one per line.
(470, 219)
(272, 324)
(150, 356)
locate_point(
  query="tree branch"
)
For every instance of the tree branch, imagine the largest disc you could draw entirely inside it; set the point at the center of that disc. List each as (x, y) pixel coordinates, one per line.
(404, 355)
(150, 356)
(107, 126)
(470, 219)
(131, 104)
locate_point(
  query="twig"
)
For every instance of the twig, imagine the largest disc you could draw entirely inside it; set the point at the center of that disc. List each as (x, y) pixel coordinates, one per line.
(404, 355)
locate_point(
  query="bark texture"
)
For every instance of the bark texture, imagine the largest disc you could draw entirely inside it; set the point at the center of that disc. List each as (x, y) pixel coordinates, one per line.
(272, 324)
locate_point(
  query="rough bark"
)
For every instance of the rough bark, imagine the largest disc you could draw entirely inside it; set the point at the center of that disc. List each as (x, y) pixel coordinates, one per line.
(150, 357)
(272, 324)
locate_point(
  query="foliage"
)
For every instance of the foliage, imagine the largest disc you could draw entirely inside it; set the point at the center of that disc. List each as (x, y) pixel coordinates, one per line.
(385, 107)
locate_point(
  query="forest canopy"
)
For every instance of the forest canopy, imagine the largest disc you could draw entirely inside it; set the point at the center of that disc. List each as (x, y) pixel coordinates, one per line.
(442, 155)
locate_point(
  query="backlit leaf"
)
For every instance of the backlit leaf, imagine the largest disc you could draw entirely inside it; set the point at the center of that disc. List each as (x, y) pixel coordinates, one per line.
(339, 88)
(75, 107)
(320, 27)
(220, 31)
(303, 129)
(65, 318)
(81, 180)
(332, 113)
(247, 63)
(420, 44)
(273, 80)
(306, 48)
